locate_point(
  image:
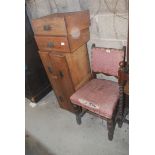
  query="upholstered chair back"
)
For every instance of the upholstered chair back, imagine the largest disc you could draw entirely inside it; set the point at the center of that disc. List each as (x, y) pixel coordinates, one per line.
(106, 60)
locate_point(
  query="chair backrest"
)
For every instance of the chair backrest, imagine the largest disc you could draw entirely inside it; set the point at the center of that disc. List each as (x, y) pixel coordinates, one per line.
(106, 60)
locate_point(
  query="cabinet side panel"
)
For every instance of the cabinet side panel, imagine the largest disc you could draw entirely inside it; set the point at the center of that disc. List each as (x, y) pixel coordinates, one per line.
(78, 39)
(79, 66)
(77, 20)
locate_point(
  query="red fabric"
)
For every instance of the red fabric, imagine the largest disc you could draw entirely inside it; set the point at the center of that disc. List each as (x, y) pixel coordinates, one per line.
(98, 96)
(106, 60)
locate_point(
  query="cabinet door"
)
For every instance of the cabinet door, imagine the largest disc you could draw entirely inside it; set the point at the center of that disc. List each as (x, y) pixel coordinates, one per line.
(58, 73)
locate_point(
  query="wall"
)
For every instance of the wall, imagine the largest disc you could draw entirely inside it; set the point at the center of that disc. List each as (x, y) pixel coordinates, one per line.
(109, 18)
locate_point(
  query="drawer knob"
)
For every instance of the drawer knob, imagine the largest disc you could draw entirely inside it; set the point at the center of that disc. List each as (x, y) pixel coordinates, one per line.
(50, 44)
(47, 27)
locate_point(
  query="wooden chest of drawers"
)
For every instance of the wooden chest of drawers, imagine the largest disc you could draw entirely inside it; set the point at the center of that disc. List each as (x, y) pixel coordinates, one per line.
(62, 39)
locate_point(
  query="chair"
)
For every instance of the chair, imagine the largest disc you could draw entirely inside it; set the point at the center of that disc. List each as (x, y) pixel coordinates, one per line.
(98, 96)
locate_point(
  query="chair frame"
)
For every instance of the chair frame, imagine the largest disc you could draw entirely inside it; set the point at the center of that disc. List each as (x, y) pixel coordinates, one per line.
(122, 111)
(110, 122)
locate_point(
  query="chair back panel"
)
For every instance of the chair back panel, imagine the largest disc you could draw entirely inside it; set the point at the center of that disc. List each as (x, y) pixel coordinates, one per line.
(106, 60)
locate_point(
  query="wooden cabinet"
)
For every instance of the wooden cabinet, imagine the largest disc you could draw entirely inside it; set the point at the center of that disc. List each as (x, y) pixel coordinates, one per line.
(62, 39)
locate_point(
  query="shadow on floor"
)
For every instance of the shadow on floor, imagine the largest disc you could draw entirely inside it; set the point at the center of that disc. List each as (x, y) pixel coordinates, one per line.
(33, 147)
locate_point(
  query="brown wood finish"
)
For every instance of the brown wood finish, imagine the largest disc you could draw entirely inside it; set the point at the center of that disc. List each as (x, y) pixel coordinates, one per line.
(75, 43)
(126, 88)
(63, 79)
(79, 66)
(60, 24)
(52, 43)
(80, 20)
(49, 25)
(63, 71)
(62, 43)
(67, 66)
(47, 64)
(123, 107)
(123, 77)
(62, 86)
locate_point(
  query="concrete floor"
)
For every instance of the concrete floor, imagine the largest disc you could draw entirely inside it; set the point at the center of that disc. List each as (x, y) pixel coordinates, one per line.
(56, 130)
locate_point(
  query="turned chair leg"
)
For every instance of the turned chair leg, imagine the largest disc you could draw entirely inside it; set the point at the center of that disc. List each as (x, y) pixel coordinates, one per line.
(78, 119)
(110, 126)
(80, 115)
(120, 107)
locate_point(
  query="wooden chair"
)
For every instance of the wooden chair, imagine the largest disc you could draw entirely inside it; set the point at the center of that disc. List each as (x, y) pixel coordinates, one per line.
(99, 96)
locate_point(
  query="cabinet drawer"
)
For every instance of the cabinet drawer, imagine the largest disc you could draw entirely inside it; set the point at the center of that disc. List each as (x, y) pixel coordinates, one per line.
(49, 25)
(52, 43)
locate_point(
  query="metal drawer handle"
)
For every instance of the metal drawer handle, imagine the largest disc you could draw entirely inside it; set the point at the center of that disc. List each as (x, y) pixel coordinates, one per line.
(61, 74)
(47, 27)
(50, 44)
(52, 76)
(49, 69)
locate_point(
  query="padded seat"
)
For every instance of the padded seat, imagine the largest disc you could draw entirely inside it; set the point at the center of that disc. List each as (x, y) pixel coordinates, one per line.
(98, 96)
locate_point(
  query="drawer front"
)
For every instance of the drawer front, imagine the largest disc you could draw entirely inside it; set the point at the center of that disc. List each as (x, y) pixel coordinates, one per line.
(52, 43)
(49, 26)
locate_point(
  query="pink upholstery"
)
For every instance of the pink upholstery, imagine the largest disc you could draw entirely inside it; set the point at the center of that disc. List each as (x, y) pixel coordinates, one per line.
(98, 96)
(106, 60)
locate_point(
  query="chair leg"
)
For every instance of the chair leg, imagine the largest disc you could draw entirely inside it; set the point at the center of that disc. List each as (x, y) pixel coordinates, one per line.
(126, 110)
(79, 116)
(120, 107)
(110, 126)
(78, 119)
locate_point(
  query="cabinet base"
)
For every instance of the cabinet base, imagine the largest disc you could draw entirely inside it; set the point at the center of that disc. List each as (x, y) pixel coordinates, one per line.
(39, 95)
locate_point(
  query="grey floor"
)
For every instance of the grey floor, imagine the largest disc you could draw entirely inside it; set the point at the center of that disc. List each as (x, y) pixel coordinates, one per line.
(56, 130)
